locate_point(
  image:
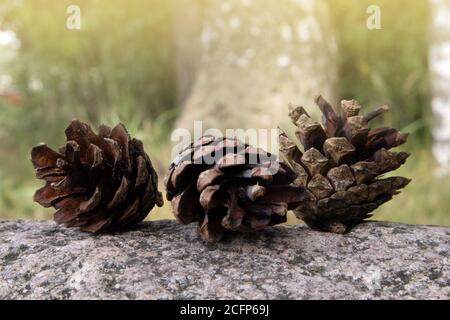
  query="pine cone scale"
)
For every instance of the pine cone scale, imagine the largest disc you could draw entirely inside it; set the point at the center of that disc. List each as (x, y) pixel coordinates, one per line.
(208, 178)
(92, 202)
(47, 195)
(235, 214)
(211, 228)
(43, 157)
(67, 209)
(185, 210)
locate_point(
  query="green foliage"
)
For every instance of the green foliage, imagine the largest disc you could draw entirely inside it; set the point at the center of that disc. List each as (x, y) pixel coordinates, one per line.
(387, 66)
(120, 58)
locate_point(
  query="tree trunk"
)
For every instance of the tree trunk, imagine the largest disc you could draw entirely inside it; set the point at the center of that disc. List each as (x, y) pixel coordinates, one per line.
(440, 75)
(254, 57)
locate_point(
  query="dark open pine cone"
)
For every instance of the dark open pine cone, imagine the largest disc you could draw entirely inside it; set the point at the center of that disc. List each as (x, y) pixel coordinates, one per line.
(341, 164)
(224, 184)
(99, 182)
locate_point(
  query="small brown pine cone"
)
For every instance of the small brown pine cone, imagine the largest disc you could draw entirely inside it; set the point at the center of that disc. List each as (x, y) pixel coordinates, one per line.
(224, 184)
(100, 183)
(341, 165)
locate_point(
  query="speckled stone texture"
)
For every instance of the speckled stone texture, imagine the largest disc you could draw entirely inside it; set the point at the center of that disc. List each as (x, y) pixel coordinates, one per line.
(164, 260)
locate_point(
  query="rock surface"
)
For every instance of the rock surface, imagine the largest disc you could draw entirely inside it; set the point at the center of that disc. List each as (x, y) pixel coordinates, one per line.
(164, 260)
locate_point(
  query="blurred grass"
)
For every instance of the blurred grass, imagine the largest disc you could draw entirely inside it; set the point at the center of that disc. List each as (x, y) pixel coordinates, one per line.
(119, 68)
(387, 66)
(426, 200)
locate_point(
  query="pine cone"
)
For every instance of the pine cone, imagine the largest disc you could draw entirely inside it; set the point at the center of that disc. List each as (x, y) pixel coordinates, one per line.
(341, 165)
(99, 183)
(224, 184)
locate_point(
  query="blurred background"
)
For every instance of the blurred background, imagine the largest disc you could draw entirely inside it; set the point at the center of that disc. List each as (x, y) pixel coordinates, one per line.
(157, 64)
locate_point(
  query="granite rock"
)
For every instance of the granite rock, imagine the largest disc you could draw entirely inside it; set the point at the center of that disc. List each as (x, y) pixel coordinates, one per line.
(164, 260)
